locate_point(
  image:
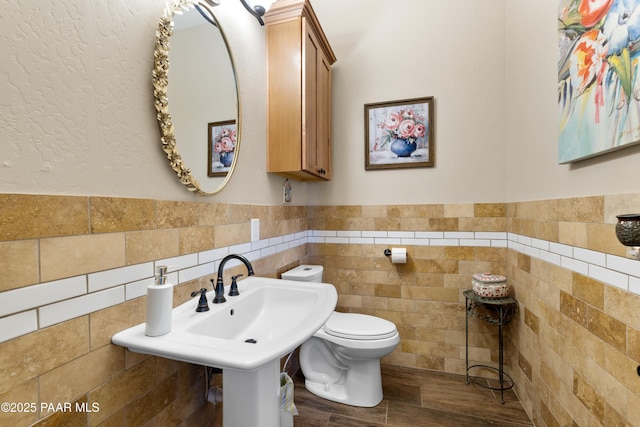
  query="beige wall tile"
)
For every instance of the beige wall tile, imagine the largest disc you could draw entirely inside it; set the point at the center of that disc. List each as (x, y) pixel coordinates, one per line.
(349, 301)
(189, 409)
(232, 234)
(588, 345)
(429, 211)
(34, 216)
(560, 210)
(559, 277)
(142, 246)
(463, 210)
(622, 305)
(532, 321)
(196, 239)
(633, 406)
(621, 367)
(177, 214)
(141, 410)
(106, 323)
(482, 224)
(490, 210)
(69, 381)
(213, 213)
(602, 238)
(401, 211)
(25, 392)
(573, 233)
(589, 290)
(620, 204)
(31, 355)
(588, 209)
(111, 214)
(19, 263)
(355, 211)
(117, 393)
(607, 328)
(387, 291)
(71, 418)
(294, 212)
(237, 214)
(574, 309)
(548, 230)
(339, 223)
(70, 256)
(536, 210)
(387, 224)
(374, 211)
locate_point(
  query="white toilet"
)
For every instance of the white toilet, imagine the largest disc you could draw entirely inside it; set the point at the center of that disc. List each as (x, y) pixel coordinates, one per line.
(341, 361)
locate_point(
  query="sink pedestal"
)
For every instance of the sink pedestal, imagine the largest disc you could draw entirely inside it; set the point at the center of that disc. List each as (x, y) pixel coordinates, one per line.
(251, 398)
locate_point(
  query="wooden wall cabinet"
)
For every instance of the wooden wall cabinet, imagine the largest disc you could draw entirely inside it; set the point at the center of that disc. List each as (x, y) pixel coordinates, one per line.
(299, 61)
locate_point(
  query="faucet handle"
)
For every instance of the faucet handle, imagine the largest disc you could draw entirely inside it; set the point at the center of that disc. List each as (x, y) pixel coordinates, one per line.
(203, 305)
(234, 285)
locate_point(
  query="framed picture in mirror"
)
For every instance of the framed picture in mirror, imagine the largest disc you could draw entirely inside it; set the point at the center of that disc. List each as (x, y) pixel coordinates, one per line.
(222, 139)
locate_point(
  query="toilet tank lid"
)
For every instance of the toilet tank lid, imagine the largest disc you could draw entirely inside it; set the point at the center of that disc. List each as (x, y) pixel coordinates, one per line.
(359, 326)
(304, 273)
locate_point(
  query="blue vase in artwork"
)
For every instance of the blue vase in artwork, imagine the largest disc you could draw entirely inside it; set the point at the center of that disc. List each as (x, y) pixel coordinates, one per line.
(226, 158)
(402, 147)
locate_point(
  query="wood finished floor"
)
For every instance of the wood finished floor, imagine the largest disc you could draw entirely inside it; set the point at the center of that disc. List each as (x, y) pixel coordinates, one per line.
(415, 398)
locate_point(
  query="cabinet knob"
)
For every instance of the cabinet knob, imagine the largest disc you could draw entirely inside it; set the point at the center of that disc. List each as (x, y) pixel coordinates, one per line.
(322, 171)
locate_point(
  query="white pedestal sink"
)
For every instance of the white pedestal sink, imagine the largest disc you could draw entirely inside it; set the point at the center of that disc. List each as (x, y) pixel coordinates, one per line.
(246, 337)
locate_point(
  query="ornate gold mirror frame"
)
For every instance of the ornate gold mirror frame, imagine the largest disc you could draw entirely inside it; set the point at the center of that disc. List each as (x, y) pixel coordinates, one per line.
(160, 88)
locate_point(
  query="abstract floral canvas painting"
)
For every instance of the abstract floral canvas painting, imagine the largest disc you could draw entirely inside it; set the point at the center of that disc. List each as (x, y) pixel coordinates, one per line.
(598, 85)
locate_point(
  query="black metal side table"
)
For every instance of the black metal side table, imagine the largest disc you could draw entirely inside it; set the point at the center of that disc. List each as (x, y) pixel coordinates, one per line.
(496, 311)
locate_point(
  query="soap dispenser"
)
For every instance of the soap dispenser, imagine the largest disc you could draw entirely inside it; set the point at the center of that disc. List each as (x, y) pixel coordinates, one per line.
(159, 305)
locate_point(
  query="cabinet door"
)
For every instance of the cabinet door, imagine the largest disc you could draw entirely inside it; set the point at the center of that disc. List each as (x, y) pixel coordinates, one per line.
(316, 148)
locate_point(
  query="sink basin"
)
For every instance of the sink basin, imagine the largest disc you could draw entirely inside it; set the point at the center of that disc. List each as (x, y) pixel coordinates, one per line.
(246, 337)
(269, 319)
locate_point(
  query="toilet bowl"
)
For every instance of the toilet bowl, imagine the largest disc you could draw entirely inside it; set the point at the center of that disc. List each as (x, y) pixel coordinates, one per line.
(341, 361)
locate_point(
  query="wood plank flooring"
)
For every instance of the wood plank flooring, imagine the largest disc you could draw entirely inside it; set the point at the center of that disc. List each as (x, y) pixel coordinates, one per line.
(415, 398)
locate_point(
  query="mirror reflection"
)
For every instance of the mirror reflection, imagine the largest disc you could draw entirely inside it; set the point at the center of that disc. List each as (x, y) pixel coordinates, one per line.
(202, 102)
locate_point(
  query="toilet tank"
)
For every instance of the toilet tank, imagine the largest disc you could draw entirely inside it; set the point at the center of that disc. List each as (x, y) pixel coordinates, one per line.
(304, 273)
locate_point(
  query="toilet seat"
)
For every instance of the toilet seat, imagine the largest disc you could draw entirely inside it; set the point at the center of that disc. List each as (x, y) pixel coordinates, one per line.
(359, 327)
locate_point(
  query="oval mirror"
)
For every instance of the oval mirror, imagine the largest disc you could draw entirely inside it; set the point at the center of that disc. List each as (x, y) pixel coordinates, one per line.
(194, 69)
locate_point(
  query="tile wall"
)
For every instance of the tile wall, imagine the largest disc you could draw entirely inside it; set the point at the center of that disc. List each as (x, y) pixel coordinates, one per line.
(76, 269)
(575, 347)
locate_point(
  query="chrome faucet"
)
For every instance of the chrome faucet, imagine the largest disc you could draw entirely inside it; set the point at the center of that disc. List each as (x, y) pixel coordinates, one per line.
(219, 286)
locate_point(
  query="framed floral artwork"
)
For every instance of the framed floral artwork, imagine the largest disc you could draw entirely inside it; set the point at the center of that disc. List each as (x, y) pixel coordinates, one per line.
(399, 134)
(221, 147)
(598, 77)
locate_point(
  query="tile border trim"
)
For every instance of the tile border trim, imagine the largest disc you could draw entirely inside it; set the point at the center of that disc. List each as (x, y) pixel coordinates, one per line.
(49, 306)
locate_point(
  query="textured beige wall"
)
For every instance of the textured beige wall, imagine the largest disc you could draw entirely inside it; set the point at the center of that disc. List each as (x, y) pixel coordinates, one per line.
(77, 113)
(532, 117)
(453, 51)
